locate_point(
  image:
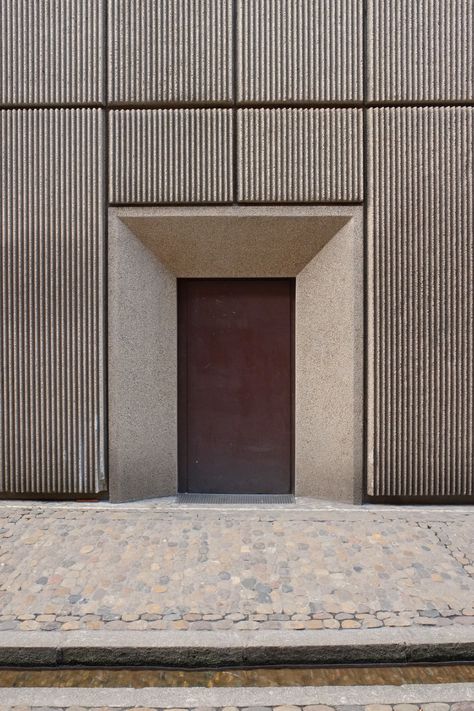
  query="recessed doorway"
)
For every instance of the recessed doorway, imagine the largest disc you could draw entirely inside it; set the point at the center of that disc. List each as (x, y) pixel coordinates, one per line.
(235, 385)
(151, 249)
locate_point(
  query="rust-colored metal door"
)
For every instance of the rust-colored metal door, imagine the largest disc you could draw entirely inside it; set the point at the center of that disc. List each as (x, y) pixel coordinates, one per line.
(235, 346)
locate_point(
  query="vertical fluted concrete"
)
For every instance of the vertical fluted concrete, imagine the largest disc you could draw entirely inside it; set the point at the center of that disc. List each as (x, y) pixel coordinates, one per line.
(51, 52)
(168, 69)
(170, 156)
(421, 260)
(299, 50)
(421, 50)
(300, 155)
(52, 330)
(170, 51)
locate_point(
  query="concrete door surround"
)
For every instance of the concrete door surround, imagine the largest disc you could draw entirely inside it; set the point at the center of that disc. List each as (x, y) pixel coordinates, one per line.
(150, 247)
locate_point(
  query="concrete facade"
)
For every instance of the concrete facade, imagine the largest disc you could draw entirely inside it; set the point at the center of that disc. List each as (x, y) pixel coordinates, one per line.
(330, 108)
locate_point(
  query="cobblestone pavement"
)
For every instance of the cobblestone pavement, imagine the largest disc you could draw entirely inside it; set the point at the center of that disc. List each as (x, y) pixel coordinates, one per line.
(459, 706)
(70, 567)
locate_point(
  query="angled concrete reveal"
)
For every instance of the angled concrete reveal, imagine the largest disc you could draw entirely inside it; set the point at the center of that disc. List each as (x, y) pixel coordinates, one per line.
(150, 247)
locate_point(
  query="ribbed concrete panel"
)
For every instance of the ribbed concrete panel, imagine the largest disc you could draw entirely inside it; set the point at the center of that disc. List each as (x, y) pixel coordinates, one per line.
(299, 50)
(170, 51)
(51, 52)
(300, 155)
(421, 50)
(52, 419)
(421, 226)
(170, 156)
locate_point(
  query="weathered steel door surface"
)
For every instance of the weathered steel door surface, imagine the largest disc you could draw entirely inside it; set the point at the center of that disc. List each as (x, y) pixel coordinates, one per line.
(235, 349)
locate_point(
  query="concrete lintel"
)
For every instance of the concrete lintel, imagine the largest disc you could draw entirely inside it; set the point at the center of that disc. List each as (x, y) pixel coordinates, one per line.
(236, 211)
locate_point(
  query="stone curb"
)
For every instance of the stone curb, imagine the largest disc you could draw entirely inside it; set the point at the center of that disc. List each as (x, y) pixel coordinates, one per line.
(322, 510)
(221, 697)
(198, 649)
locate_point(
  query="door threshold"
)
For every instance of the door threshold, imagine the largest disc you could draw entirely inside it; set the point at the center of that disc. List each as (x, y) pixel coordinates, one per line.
(221, 499)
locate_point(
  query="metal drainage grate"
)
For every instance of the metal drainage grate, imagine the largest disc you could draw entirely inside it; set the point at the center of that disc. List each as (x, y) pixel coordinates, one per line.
(236, 499)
